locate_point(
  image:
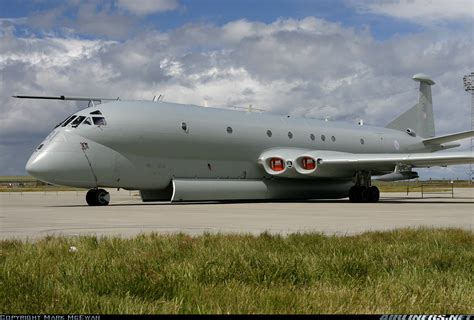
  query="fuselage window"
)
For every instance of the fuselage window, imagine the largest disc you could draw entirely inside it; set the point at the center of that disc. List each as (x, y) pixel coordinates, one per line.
(96, 112)
(99, 121)
(78, 121)
(68, 121)
(290, 135)
(269, 133)
(311, 136)
(333, 139)
(40, 146)
(323, 137)
(184, 126)
(362, 141)
(229, 130)
(88, 121)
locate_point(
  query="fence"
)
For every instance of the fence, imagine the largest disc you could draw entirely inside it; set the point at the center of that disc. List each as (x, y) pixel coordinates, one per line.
(430, 188)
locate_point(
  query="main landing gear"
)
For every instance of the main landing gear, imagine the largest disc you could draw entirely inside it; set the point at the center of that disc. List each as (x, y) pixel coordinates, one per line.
(97, 197)
(363, 191)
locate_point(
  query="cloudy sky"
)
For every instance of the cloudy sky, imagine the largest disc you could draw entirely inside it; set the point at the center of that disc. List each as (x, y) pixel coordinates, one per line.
(343, 59)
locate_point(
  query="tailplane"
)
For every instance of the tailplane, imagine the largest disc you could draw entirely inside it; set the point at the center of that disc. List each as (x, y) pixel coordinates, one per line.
(419, 118)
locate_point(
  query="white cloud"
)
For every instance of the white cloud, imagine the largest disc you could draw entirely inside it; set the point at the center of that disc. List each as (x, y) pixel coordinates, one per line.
(420, 11)
(145, 7)
(308, 67)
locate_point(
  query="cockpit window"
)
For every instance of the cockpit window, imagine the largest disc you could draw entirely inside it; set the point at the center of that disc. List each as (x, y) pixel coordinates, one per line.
(68, 121)
(63, 121)
(96, 112)
(78, 121)
(88, 121)
(99, 121)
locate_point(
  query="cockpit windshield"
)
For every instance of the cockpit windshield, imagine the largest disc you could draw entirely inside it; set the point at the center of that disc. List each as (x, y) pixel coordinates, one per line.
(78, 121)
(65, 123)
(99, 121)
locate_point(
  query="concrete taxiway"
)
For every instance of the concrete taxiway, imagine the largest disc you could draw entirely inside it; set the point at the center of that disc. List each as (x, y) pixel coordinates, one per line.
(34, 215)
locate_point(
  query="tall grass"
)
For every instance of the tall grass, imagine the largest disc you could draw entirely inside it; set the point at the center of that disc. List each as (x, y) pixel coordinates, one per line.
(401, 271)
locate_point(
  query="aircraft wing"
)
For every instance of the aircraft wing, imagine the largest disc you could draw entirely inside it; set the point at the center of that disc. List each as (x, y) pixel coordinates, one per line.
(416, 160)
(300, 163)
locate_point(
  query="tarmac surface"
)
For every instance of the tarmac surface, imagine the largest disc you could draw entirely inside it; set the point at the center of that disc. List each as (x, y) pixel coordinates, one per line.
(34, 215)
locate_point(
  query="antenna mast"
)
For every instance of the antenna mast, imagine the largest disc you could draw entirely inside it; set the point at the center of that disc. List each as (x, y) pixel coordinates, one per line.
(469, 87)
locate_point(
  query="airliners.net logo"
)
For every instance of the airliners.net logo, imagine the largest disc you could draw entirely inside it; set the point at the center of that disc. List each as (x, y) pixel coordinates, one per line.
(425, 317)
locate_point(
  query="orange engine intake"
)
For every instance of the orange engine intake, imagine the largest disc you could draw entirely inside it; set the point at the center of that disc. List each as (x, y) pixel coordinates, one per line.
(277, 164)
(308, 163)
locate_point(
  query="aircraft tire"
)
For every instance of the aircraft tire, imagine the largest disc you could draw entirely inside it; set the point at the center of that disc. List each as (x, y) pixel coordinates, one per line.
(91, 197)
(352, 194)
(364, 194)
(374, 194)
(356, 194)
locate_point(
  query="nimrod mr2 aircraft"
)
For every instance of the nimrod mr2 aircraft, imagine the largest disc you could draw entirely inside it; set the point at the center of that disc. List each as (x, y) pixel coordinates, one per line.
(174, 152)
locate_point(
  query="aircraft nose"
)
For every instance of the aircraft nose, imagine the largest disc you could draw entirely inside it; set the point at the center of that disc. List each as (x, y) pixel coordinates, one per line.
(39, 166)
(62, 168)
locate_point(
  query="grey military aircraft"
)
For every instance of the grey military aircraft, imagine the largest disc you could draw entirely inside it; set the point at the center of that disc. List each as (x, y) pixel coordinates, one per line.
(175, 152)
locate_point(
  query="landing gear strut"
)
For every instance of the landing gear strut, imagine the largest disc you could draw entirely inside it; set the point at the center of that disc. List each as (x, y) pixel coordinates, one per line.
(97, 197)
(363, 191)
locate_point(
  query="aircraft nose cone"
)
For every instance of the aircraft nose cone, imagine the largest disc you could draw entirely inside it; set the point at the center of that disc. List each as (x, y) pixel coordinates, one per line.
(38, 166)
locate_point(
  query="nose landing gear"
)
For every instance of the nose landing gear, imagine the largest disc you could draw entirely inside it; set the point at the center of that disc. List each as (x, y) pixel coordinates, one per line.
(363, 191)
(97, 197)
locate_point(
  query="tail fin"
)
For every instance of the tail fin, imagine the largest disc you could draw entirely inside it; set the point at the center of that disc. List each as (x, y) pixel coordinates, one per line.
(418, 118)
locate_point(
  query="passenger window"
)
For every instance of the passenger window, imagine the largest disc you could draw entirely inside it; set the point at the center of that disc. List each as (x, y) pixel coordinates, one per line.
(269, 133)
(311, 136)
(323, 137)
(78, 121)
(99, 121)
(290, 135)
(68, 121)
(333, 139)
(88, 121)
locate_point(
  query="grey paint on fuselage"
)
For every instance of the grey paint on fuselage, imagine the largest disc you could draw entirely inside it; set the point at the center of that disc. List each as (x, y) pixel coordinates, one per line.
(143, 146)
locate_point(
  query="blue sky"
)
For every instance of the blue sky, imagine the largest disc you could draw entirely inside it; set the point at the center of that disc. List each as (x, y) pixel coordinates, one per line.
(221, 12)
(342, 59)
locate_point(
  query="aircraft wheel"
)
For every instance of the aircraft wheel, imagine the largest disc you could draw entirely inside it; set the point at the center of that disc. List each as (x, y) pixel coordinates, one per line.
(97, 197)
(364, 194)
(102, 197)
(91, 197)
(355, 194)
(374, 194)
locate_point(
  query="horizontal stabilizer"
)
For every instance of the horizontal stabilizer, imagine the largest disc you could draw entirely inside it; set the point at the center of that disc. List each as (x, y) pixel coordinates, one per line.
(66, 98)
(449, 137)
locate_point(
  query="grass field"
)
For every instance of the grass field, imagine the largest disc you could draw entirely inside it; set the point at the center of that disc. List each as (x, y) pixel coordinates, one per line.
(401, 271)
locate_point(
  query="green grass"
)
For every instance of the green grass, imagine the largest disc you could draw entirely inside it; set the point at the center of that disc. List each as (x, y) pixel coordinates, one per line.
(401, 271)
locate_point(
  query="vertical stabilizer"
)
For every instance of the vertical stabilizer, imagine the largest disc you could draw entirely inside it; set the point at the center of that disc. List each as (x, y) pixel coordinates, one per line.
(419, 118)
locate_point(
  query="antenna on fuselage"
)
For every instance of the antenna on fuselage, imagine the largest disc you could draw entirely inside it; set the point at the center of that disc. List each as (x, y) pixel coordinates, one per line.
(158, 98)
